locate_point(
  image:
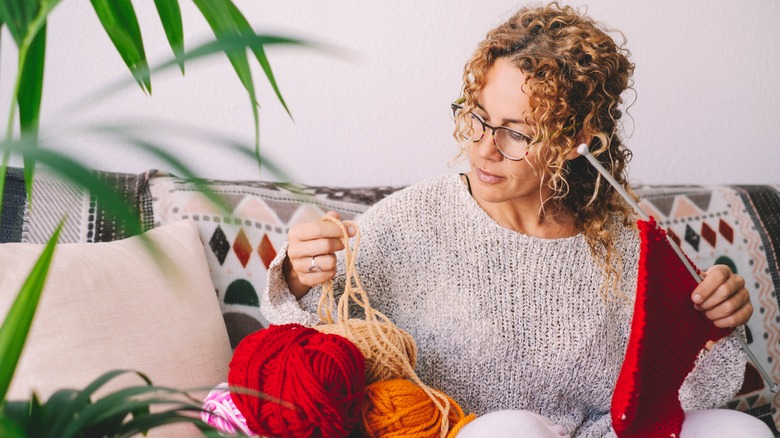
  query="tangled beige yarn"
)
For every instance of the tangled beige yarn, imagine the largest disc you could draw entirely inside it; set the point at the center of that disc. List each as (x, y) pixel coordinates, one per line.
(381, 364)
(389, 352)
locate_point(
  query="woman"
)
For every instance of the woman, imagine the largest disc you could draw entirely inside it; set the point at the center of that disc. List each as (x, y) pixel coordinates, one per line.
(516, 279)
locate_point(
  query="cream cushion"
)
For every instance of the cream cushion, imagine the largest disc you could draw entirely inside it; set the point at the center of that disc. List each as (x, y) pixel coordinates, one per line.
(119, 306)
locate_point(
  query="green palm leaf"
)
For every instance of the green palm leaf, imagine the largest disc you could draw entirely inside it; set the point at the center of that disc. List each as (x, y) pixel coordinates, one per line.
(172, 416)
(134, 402)
(41, 416)
(119, 20)
(222, 22)
(244, 28)
(124, 412)
(225, 44)
(128, 133)
(181, 168)
(83, 413)
(16, 326)
(15, 14)
(9, 429)
(29, 98)
(170, 16)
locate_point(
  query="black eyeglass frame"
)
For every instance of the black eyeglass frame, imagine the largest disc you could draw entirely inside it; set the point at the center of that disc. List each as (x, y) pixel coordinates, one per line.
(456, 107)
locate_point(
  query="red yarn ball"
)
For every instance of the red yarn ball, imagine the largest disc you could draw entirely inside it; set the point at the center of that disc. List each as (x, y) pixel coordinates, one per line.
(321, 375)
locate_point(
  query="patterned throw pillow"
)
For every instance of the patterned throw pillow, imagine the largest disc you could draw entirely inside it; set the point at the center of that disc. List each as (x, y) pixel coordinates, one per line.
(242, 242)
(88, 220)
(738, 227)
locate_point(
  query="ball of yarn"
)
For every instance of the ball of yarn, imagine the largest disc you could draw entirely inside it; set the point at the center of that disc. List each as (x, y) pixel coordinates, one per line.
(382, 363)
(314, 382)
(399, 408)
(220, 412)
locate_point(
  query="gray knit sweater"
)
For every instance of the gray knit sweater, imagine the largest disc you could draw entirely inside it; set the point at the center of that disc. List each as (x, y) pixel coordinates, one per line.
(502, 320)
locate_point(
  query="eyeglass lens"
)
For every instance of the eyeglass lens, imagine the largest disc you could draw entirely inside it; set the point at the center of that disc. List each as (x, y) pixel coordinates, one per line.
(512, 144)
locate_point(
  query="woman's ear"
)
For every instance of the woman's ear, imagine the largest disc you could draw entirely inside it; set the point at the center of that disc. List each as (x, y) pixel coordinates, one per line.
(582, 138)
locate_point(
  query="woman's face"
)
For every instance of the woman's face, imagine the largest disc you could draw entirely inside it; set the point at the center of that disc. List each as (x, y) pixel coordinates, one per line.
(502, 102)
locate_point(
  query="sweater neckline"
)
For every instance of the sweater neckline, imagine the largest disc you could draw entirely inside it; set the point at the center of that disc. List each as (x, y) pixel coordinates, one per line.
(479, 213)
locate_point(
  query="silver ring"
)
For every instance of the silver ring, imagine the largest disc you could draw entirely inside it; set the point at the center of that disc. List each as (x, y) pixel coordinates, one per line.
(314, 266)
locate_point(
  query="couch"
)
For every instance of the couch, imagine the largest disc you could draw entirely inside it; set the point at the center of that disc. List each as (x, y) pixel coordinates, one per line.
(734, 225)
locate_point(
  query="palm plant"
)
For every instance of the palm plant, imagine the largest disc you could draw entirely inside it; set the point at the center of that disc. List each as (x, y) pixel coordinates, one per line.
(72, 413)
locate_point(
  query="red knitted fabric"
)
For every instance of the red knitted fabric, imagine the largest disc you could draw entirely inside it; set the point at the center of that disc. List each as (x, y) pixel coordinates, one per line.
(322, 376)
(667, 334)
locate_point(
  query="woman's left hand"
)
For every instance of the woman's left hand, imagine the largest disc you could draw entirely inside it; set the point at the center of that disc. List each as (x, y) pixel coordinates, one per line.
(723, 298)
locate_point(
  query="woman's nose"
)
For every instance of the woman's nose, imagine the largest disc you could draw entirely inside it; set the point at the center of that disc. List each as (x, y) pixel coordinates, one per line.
(486, 148)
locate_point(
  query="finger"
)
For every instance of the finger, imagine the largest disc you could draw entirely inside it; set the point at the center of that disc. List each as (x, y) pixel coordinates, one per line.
(712, 279)
(319, 270)
(314, 278)
(314, 230)
(739, 318)
(722, 292)
(351, 228)
(311, 248)
(730, 306)
(325, 262)
(333, 214)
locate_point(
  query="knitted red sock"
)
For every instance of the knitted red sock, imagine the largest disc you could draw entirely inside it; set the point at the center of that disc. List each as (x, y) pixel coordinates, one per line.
(667, 334)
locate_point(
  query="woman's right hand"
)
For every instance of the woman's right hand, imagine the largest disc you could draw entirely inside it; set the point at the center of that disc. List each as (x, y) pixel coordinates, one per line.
(311, 253)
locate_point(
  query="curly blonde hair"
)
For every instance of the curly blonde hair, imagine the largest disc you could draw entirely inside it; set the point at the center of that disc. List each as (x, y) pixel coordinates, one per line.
(576, 74)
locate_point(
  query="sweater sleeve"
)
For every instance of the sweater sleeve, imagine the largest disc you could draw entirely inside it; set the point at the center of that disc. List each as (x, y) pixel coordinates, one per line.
(277, 303)
(597, 427)
(717, 375)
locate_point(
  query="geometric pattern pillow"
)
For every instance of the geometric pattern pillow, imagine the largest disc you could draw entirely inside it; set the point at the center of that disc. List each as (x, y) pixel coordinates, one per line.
(241, 243)
(738, 227)
(88, 219)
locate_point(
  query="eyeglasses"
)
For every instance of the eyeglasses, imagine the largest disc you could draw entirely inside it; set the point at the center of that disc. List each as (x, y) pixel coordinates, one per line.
(512, 145)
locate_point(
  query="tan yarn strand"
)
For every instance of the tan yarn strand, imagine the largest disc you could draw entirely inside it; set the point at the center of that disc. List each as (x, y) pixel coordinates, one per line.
(377, 337)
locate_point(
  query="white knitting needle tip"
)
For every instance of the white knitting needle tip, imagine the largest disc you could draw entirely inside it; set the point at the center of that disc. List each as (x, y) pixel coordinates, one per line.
(585, 152)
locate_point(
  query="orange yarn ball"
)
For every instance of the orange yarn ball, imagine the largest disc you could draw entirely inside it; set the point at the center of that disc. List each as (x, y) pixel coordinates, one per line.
(399, 408)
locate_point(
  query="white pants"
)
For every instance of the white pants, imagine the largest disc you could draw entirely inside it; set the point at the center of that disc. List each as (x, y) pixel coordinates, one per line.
(712, 423)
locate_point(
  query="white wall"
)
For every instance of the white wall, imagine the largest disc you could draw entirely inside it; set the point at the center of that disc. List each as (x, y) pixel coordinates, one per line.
(706, 109)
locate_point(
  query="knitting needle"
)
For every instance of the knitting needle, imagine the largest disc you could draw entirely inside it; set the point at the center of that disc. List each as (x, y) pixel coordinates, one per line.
(585, 152)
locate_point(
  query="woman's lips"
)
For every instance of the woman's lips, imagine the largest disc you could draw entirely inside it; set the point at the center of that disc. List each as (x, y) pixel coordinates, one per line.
(488, 177)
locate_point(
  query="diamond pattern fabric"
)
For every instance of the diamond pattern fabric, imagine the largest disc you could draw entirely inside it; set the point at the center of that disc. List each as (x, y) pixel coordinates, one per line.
(219, 245)
(242, 248)
(266, 251)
